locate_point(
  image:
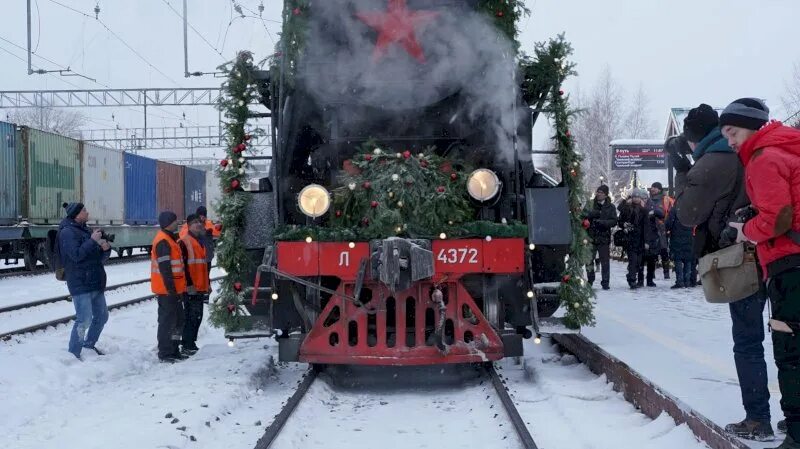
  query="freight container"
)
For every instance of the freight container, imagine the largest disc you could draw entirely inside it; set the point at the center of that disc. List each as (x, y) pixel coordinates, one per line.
(9, 193)
(213, 195)
(49, 166)
(194, 189)
(140, 190)
(169, 190)
(103, 186)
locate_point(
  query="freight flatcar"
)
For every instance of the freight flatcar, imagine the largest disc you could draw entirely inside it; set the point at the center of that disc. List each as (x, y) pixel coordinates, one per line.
(39, 171)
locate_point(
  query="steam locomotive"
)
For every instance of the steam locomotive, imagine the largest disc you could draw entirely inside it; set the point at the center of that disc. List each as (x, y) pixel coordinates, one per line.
(376, 71)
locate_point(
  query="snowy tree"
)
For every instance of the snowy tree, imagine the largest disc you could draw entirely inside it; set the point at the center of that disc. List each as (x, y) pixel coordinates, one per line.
(639, 122)
(46, 118)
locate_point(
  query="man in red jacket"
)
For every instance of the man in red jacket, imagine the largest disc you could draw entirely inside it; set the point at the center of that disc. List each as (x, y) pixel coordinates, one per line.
(771, 156)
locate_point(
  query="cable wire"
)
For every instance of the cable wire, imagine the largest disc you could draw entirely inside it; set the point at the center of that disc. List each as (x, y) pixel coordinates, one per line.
(194, 29)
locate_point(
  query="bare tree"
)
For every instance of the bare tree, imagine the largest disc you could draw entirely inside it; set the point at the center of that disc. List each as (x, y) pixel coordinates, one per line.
(605, 115)
(639, 122)
(791, 99)
(46, 118)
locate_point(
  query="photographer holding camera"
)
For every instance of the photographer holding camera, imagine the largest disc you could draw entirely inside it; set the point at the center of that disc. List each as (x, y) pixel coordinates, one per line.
(770, 153)
(82, 253)
(710, 191)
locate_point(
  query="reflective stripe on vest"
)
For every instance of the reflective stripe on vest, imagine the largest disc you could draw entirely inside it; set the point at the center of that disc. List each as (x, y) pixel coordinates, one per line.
(196, 263)
(157, 284)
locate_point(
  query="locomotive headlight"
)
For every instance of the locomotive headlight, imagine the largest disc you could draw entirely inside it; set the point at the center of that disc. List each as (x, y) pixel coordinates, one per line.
(483, 184)
(314, 200)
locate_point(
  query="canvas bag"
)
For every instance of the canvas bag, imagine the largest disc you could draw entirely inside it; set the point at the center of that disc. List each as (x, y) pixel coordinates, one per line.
(730, 274)
(55, 252)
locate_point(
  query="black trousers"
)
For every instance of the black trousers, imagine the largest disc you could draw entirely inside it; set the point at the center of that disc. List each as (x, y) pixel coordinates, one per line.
(784, 294)
(170, 324)
(635, 260)
(193, 314)
(650, 262)
(604, 253)
(665, 261)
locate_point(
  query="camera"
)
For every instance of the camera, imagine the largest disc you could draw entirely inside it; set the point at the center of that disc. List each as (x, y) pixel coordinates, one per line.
(107, 237)
(728, 235)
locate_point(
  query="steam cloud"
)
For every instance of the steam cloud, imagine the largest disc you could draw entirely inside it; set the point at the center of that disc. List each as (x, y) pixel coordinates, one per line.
(464, 53)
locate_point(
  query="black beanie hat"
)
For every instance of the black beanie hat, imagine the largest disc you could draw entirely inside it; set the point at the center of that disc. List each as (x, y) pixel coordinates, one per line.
(201, 211)
(747, 113)
(657, 185)
(166, 218)
(192, 217)
(699, 122)
(603, 188)
(72, 209)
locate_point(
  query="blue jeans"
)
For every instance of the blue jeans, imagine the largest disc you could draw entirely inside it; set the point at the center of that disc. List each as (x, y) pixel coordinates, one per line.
(91, 313)
(683, 271)
(748, 353)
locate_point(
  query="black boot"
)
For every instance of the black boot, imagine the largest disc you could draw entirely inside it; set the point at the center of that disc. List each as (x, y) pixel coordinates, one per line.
(751, 429)
(650, 283)
(590, 277)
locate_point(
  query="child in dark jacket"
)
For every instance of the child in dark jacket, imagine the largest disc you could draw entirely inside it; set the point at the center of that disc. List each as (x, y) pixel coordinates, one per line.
(680, 246)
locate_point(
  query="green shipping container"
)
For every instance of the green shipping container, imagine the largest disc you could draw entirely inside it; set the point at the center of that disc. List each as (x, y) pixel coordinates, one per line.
(49, 169)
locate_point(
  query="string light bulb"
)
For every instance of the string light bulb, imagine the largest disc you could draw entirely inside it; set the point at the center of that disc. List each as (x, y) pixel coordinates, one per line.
(230, 343)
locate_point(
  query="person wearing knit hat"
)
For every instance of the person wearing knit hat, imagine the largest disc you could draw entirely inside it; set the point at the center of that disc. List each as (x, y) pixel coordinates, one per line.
(665, 202)
(714, 188)
(168, 282)
(80, 252)
(700, 122)
(770, 152)
(599, 217)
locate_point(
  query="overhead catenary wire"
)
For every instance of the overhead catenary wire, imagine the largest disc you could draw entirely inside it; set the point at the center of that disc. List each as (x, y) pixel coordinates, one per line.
(195, 29)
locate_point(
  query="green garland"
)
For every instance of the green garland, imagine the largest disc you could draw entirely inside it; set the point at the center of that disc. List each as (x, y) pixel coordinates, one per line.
(239, 91)
(575, 292)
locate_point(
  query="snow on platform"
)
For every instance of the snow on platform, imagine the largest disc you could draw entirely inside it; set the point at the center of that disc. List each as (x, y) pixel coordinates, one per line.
(680, 342)
(120, 400)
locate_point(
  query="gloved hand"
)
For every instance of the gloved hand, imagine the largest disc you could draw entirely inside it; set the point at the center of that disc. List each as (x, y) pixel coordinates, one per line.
(677, 148)
(191, 290)
(628, 227)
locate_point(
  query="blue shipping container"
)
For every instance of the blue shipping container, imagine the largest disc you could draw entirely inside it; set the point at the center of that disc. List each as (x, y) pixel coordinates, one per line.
(194, 189)
(9, 193)
(140, 190)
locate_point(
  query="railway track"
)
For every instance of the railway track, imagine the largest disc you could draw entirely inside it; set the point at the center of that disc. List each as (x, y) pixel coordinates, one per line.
(278, 424)
(67, 297)
(22, 272)
(67, 319)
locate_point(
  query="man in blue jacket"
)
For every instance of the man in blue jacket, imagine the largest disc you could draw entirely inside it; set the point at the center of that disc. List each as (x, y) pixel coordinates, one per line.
(82, 255)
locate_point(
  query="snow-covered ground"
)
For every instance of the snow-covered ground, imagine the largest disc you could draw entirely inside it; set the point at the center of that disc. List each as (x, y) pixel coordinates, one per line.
(226, 396)
(22, 318)
(562, 402)
(679, 341)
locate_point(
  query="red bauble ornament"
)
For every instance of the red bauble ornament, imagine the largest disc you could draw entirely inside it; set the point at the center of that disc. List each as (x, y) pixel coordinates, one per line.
(296, 11)
(365, 221)
(453, 176)
(235, 184)
(573, 173)
(247, 137)
(338, 213)
(367, 157)
(373, 204)
(237, 286)
(568, 134)
(367, 185)
(397, 26)
(560, 92)
(440, 189)
(423, 163)
(566, 278)
(586, 224)
(499, 13)
(223, 163)
(406, 154)
(231, 308)
(239, 148)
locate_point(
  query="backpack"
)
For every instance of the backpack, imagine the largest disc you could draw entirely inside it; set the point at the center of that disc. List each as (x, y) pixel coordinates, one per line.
(55, 250)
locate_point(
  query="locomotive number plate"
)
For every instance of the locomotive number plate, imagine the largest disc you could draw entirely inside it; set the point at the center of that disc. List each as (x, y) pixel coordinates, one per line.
(458, 256)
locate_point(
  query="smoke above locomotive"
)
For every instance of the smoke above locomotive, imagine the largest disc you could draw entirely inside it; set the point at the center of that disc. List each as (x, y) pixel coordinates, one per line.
(403, 56)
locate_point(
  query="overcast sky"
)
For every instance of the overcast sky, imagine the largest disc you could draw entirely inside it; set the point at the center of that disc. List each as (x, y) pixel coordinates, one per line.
(682, 51)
